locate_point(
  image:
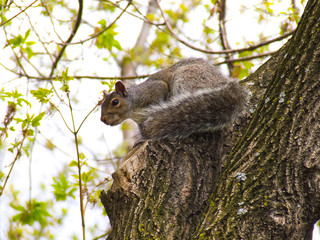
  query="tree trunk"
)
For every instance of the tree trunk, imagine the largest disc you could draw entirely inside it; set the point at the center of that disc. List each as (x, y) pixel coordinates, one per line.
(162, 187)
(269, 185)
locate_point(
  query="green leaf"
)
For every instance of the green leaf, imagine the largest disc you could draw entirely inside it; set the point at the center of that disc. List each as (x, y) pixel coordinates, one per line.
(65, 75)
(20, 100)
(36, 121)
(64, 79)
(17, 217)
(62, 188)
(106, 39)
(86, 177)
(17, 207)
(110, 84)
(4, 94)
(103, 23)
(26, 35)
(30, 132)
(26, 149)
(15, 94)
(82, 156)
(18, 120)
(34, 212)
(16, 41)
(65, 87)
(42, 94)
(30, 52)
(29, 43)
(73, 163)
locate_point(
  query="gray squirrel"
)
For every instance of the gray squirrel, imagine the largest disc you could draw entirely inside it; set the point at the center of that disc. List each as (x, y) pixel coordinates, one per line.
(191, 96)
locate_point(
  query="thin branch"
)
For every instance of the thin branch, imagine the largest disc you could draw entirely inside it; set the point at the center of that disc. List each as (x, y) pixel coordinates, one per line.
(246, 58)
(40, 40)
(18, 14)
(75, 29)
(223, 32)
(44, 4)
(86, 118)
(18, 155)
(10, 70)
(54, 106)
(82, 77)
(31, 64)
(81, 193)
(102, 31)
(11, 111)
(14, 53)
(143, 18)
(171, 32)
(103, 235)
(92, 190)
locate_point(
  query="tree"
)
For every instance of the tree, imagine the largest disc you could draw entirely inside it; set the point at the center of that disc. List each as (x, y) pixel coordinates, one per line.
(54, 57)
(269, 185)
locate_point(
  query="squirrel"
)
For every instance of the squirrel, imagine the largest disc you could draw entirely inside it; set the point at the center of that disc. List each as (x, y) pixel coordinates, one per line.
(191, 96)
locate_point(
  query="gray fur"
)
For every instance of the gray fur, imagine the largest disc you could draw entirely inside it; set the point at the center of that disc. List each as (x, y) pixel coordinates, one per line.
(191, 96)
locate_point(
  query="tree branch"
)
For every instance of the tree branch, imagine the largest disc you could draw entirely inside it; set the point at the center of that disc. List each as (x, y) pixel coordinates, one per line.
(1, 24)
(138, 76)
(81, 77)
(75, 28)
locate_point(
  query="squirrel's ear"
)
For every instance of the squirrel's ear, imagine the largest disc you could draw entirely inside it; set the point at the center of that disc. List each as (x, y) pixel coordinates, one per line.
(121, 89)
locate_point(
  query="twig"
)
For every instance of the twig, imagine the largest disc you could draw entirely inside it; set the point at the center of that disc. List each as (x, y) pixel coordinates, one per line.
(18, 14)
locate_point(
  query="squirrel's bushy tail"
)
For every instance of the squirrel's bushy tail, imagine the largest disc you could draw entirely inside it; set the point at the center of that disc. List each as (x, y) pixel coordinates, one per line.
(202, 111)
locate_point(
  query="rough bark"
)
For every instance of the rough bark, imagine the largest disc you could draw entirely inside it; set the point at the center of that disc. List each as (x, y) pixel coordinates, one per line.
(278, 156)
(162, 187)
(269, 186)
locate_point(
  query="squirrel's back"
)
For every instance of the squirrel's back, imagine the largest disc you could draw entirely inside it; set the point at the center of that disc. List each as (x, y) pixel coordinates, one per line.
(190, 75)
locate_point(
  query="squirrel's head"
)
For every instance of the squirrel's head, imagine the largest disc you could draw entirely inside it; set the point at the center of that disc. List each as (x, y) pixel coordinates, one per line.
(115, 107)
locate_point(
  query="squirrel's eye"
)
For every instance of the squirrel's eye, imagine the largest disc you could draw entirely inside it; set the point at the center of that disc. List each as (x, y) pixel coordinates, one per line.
(115, 102)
